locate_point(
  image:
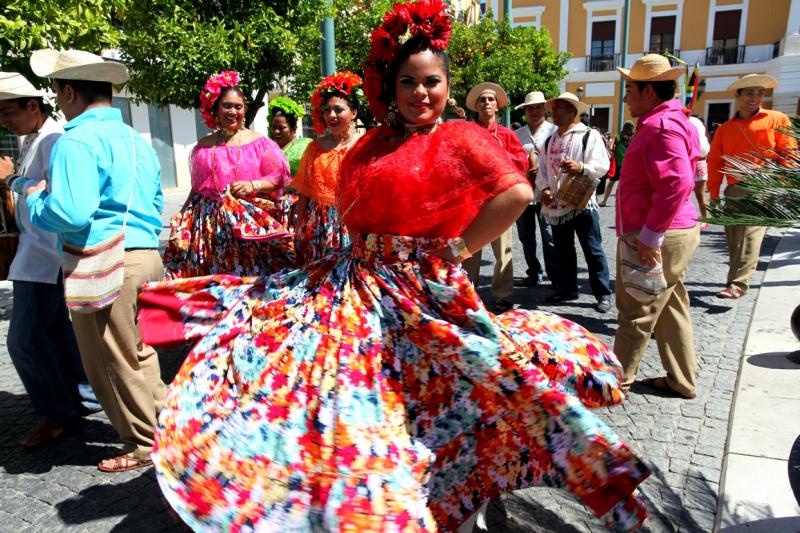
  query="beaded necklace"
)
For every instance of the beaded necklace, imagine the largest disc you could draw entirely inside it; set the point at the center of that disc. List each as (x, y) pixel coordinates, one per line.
(214, 158)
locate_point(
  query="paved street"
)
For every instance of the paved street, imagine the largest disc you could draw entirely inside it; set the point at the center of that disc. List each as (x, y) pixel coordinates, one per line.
(59, 487)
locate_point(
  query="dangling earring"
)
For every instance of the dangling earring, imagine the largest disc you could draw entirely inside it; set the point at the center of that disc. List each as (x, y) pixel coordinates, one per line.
(391, 116)
(459, 111)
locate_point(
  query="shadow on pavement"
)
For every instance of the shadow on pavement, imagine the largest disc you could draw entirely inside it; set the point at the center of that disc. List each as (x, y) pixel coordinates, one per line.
(767, 525)
(137, 499)
(774, 360)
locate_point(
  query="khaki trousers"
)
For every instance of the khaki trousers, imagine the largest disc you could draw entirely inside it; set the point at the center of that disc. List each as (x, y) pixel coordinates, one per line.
(123, 371)
(668, 316)
(503, 276)
(744, 247)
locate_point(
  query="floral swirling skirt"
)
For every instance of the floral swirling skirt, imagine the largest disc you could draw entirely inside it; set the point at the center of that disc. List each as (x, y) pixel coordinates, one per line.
(228, 235)
(319, 233)
(371, 391)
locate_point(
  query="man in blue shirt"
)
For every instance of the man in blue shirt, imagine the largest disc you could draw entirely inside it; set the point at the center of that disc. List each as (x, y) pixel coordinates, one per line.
(92, 169)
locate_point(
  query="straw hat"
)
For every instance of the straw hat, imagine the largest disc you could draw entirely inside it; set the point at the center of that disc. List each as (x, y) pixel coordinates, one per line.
(532, 98)
(486, 87)
(14, 85)
(572, 99)
(77, 65)
(754, 80)
(651, 67)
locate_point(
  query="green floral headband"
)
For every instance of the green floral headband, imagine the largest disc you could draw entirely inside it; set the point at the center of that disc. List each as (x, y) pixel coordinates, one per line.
(287, 105)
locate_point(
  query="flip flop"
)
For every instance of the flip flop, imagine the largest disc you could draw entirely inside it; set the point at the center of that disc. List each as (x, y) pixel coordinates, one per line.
(731, 292)
(123, 463)
(660, 384)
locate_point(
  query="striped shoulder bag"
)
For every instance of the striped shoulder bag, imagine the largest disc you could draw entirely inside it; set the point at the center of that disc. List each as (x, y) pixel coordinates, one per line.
(93, 275)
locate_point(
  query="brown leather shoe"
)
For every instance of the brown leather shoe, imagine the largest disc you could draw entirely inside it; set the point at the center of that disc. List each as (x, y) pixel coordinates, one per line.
(47, 432)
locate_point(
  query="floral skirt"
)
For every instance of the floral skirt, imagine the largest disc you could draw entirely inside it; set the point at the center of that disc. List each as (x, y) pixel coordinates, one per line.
(319, 233)
(372, 391)
(228, 235)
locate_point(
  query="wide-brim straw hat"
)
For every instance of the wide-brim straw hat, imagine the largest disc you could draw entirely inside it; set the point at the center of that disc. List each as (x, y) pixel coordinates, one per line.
(15, 85)
(764, 81)
(572, 99)
(77, 65)
(651, 67)
(532, 98)
(484, 87)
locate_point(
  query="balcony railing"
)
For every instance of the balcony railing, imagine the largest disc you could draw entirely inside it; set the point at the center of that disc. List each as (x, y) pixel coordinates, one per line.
(602, 62)
(725, 56)
(673, 53)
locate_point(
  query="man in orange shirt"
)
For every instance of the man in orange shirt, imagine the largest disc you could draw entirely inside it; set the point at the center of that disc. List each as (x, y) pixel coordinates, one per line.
(752, 130)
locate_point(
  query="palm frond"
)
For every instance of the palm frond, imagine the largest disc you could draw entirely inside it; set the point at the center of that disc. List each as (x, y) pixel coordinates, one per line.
(770, 183)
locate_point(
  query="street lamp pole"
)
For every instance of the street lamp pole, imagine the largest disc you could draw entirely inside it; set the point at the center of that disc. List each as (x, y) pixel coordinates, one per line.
(507, 15)
(327, 45)
(626, 20)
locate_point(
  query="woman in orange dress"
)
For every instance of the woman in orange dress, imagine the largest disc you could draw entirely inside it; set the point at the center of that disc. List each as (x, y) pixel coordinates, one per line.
(319, 230)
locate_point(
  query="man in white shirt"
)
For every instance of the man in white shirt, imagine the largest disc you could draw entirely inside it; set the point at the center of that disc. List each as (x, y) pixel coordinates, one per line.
(41, 341)
(532, 137)
(574, 149)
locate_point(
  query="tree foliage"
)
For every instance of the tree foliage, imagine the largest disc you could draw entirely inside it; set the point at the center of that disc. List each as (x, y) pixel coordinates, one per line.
(173, 46)
(519, 59)
(27, 25)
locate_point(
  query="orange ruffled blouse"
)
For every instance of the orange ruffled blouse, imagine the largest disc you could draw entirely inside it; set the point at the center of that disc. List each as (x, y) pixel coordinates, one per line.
(318, 173)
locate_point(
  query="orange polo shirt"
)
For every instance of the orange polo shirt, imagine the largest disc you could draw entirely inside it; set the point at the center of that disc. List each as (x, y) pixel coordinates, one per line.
(738, 137)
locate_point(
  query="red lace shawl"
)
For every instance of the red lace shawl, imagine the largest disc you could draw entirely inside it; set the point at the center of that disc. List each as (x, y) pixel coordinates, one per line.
(430, 185)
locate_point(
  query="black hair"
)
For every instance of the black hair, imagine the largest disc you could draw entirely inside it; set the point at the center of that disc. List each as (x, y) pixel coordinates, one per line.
(23, 103)
(90, 92)
(291, 120)
(223, 92)
(412, 46)
(351, 99)
(665, 90)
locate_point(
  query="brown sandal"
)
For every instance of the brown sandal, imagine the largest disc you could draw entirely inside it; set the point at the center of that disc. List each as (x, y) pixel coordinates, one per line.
(123, 463)
(660, 384)
(731, 292)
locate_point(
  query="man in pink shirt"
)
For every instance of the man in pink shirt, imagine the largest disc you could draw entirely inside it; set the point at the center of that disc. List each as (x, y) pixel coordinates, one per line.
(656, 216)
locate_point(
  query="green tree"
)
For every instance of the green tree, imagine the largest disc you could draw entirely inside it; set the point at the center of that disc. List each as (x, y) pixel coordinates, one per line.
(173, 46)
(27, 25)
(519, 59)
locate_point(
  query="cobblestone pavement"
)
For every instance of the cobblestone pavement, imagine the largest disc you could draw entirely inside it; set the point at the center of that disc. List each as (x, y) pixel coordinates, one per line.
(59, 488)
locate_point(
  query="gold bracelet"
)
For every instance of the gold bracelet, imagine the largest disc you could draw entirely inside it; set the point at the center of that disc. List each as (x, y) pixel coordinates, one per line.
(459, 248)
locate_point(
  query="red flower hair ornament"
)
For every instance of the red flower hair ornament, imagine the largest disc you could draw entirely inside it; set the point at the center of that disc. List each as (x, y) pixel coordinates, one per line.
(343, 82)
(210, 94)
(426, 18)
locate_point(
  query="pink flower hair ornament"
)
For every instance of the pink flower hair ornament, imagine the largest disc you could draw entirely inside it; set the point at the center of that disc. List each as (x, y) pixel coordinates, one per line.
(210, 94)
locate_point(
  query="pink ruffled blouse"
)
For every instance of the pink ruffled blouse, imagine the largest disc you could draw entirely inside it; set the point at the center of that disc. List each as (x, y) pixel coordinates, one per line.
(213, 168)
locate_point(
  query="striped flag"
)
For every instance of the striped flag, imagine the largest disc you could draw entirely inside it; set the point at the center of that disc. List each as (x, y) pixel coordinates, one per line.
(692, 83)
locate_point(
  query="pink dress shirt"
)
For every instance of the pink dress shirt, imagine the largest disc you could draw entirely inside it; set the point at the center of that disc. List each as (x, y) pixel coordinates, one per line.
(658, 175)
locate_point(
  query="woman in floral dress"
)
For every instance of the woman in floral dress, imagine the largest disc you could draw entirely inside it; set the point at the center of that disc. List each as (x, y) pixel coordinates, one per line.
(319, 230)
(371, 390)
(231, 222)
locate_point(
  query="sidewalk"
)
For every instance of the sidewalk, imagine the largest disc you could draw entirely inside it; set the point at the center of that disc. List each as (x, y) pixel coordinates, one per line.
(755, 495)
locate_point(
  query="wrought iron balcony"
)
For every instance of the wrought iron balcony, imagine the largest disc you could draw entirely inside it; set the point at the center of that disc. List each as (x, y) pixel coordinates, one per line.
(601, 62)
(725, 56)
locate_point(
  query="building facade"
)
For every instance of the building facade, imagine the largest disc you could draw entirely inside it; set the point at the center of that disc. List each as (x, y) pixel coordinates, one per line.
(725, 38)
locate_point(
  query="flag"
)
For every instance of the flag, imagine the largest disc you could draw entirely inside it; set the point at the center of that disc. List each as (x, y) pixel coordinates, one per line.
(692, 83)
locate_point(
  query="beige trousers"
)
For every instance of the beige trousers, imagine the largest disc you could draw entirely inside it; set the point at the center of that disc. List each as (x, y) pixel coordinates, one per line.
(744, 247)
(123, 371)
(668, 316)
(503, 276)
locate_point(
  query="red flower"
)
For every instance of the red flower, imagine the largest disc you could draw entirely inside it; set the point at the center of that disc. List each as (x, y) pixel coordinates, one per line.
(344, 82)
(384, 46)
(373, 87)
(396, 20)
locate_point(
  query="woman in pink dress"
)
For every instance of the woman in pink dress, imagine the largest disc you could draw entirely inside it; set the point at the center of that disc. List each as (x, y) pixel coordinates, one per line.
(230, 221)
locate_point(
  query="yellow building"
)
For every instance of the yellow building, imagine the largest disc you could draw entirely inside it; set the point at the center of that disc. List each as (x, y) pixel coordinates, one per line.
(726, 38)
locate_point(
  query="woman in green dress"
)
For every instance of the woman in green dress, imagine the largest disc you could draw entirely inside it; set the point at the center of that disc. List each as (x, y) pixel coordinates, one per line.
(284, 114)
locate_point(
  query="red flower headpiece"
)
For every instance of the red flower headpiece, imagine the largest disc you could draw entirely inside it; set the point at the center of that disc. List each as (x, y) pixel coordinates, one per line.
(344, 82)
(427, 18)
(211, 91)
